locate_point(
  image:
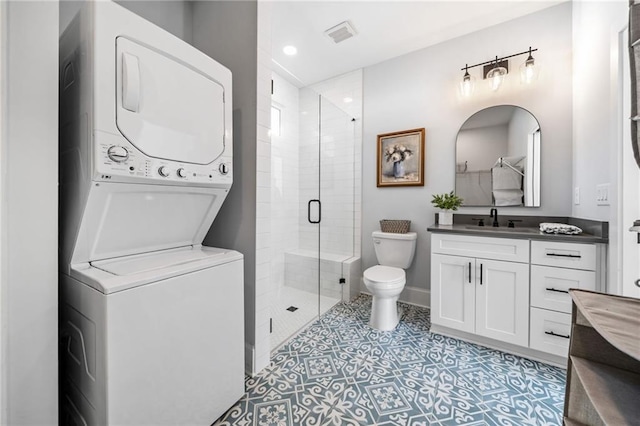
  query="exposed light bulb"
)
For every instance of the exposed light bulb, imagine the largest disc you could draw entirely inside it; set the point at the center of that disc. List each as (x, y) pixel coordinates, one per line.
(496, 76)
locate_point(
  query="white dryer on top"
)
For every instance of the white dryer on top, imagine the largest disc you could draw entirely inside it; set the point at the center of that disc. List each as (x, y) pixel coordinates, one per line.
(145, 137)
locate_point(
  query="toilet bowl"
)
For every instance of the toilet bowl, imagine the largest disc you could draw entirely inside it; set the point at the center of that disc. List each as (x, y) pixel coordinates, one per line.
(385, 284)
(386, 281)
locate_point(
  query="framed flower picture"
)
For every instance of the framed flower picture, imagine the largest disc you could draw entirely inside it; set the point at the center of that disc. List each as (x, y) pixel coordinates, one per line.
(401, 158)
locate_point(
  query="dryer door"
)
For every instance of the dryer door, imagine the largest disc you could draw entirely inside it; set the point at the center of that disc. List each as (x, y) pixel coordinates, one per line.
(166, 108)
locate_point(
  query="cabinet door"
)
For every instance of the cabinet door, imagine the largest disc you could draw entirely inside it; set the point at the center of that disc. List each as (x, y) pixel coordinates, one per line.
(453, 292)
(502, 301)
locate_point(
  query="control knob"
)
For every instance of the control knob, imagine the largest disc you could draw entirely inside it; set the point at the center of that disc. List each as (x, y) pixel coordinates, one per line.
(119, 154)
(164, 171)
(223, 168)
(181, 173)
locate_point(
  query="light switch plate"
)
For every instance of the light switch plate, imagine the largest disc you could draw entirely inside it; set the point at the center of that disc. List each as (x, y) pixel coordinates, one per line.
(602, 194)
(576, 195)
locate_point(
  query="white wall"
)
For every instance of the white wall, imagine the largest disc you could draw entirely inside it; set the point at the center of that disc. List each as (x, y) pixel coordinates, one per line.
(420, 90)
(596, 100)
(29, 227)
(599, 121)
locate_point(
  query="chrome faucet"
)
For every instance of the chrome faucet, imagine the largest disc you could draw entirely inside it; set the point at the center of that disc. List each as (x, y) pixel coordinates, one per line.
(494, 214)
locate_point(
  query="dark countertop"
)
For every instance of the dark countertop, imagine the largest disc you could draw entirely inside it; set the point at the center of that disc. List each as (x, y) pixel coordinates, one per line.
(526, 228)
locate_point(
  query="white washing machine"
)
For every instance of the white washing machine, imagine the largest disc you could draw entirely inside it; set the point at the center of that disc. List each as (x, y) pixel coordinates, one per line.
(151, 322)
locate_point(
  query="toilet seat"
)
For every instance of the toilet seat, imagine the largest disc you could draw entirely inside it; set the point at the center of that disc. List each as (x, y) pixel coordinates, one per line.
(384, 276)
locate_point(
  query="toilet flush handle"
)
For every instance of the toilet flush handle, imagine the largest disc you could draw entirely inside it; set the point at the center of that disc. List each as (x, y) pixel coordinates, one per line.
(376, 241)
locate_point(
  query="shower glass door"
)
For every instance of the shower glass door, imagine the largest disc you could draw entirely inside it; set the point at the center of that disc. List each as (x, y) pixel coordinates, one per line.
(312, 213)
(336, 190)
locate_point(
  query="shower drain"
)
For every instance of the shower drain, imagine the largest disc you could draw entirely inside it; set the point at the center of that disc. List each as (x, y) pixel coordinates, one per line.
(292, 309)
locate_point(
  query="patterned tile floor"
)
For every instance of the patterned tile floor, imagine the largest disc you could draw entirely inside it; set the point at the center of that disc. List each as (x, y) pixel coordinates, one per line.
(285, 323)
(339, 371)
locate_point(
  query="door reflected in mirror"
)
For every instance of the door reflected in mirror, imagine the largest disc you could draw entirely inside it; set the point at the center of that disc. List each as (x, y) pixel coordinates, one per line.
(498, 158)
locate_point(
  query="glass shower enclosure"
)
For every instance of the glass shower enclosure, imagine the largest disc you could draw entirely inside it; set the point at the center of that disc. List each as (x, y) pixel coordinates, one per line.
(313, 213)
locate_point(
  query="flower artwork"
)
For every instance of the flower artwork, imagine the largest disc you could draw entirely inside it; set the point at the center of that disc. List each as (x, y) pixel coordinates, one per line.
(398, 154)
(401, 158)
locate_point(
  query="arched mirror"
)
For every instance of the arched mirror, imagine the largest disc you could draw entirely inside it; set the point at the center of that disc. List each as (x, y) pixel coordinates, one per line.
(498, 158)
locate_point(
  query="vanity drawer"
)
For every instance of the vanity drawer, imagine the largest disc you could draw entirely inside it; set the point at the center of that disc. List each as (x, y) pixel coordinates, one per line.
(507, 249)
(550, 286)
(549, 331)
(564, 255)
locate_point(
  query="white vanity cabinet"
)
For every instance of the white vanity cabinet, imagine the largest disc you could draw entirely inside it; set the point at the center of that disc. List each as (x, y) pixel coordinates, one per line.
(555, 268)
(480, 285)
(510, 293)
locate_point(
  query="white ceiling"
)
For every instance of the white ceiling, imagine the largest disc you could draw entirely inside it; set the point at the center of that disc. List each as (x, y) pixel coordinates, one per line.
(386, 29)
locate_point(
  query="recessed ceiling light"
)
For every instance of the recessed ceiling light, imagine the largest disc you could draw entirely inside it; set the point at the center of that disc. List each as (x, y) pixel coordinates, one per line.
(290, 50)
(347, 100)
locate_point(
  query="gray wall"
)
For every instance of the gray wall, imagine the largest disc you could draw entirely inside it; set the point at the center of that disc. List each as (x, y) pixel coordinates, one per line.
(29, 226)
(420, 90)
(174, 16)
(227, 31)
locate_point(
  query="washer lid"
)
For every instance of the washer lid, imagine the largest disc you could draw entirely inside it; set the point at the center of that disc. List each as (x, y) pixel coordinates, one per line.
(131, 265)
(167, 108)
(114, 275)
(384, 274)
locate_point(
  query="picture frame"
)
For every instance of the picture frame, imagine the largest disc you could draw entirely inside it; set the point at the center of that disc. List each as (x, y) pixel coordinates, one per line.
(401, 158)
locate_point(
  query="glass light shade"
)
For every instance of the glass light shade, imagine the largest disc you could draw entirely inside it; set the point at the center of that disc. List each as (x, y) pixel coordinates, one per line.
(496, 77)
(528, 71)
(467, 85)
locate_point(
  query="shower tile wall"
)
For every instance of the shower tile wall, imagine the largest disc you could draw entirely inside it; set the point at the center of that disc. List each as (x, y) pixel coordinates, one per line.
(336, 178)
(285, 168)
(337, 90)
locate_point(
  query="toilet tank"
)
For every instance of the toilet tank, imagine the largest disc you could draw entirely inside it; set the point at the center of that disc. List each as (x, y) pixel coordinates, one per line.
(395, 250)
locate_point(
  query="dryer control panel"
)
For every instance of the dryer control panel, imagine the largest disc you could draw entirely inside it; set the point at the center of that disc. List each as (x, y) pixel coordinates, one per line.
(118, 160)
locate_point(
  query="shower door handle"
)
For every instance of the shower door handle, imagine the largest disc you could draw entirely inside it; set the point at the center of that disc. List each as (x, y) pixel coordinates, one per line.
(309, 211)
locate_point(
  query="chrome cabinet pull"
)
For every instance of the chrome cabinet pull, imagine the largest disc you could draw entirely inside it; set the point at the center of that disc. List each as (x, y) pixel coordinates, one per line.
(551, 333)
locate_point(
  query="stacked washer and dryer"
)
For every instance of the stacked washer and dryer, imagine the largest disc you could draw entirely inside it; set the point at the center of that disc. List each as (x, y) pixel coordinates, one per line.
(151, 321)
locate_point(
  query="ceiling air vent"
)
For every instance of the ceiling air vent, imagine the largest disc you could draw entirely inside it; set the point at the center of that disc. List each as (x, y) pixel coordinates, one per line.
(341, 32)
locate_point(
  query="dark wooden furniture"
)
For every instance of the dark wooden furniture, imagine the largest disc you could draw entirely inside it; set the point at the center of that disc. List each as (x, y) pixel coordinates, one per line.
(603, 372)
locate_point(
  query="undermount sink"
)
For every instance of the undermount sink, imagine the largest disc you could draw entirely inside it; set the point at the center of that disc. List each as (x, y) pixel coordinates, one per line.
(502, 229)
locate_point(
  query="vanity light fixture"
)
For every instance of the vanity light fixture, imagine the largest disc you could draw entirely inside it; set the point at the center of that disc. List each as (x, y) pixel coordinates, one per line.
(528, 70)
(468, 83)
(496, 75)
(496, 70)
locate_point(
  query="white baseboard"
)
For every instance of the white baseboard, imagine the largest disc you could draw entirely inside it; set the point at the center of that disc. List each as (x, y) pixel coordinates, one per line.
(416, 296)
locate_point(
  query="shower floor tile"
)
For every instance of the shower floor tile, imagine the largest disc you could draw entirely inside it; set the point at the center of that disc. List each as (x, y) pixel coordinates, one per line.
(339, 371)
(285, 322)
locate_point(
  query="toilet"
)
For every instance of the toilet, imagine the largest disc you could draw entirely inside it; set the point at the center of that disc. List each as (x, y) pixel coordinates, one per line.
(386, 280)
